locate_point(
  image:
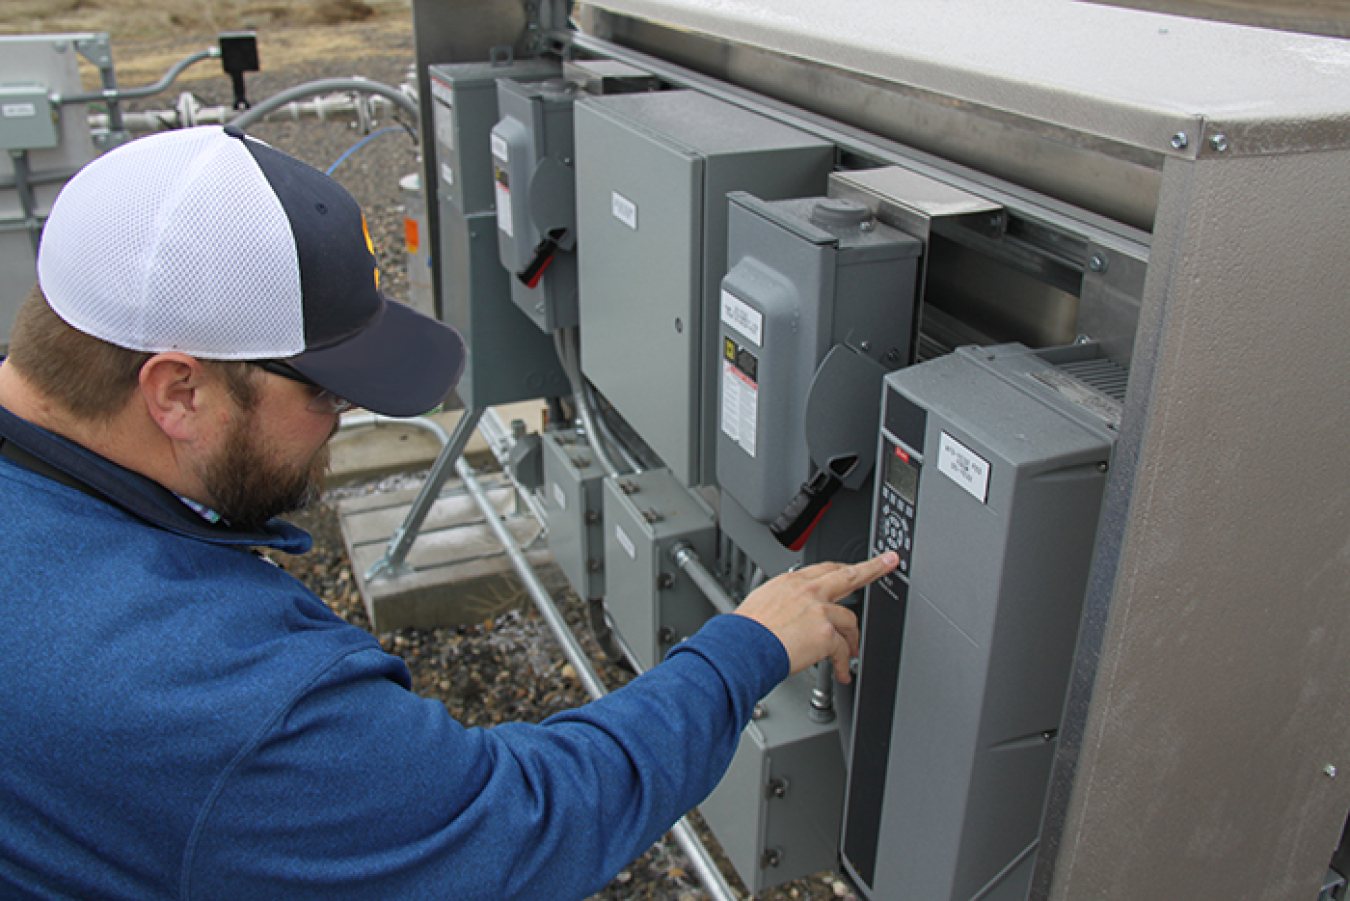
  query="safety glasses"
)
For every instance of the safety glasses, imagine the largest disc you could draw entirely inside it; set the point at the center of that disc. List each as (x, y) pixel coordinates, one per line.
(323, 402)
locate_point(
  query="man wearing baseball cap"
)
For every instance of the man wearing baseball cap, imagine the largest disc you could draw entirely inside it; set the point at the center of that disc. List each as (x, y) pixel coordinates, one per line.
(181, 719)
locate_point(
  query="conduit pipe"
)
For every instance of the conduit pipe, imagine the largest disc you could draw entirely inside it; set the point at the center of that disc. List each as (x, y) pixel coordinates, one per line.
(683, 832)
(569, 354)
(687, 559)
(325, 86)
(189, 111)
(119, 94)
(699, 858)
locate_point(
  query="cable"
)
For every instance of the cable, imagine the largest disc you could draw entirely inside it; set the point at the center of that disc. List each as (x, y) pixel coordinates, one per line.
(324, 86)
(361, 143)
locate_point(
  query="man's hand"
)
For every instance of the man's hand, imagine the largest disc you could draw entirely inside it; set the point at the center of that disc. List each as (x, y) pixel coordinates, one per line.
(802, 609)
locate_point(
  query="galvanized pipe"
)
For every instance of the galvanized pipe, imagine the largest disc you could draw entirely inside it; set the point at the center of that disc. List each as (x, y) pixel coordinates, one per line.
(325, 86)
(568, 345)
(392, 563)
(683, 832)
(115, 94)
(687, 559)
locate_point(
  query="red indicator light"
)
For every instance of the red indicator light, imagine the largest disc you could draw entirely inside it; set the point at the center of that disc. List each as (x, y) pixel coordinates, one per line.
(900, 452)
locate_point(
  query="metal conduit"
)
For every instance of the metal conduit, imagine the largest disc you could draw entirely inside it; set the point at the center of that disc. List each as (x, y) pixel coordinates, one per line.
(683, 832)
(699, 858)
(119, 94)
(325, 86)
(569, 355)
(688, 560)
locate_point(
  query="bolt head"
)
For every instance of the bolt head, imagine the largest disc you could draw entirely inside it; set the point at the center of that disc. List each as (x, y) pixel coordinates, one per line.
(1219, 143)
(1180, 140)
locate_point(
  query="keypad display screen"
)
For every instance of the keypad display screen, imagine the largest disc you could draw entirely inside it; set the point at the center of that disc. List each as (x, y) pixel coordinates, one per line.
(902, 477)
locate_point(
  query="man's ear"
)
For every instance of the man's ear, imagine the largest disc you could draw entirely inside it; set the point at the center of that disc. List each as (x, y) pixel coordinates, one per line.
(181, 395)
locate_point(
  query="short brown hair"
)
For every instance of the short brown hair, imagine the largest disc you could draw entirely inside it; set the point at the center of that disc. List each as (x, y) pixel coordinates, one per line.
(88, 376)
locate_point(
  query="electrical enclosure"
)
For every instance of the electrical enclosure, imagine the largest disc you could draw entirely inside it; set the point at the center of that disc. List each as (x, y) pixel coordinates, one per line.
(653, 172)
(535, 189)
(652, 603)
(575, 507)
(509, 359)
(805, 276)
(465, 109)
(43, 145)
(991, 467)
(777, 811)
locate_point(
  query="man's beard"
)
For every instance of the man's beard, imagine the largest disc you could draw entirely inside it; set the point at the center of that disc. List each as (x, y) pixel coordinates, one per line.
(248, 487)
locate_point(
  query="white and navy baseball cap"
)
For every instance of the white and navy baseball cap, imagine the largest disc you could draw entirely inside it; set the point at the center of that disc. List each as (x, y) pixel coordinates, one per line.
(211, 243)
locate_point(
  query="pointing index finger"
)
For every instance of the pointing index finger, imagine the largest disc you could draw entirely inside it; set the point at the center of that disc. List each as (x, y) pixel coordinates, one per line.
(842, 581)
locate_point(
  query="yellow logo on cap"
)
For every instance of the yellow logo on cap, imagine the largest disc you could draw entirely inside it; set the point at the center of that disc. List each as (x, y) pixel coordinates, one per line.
(370, 245)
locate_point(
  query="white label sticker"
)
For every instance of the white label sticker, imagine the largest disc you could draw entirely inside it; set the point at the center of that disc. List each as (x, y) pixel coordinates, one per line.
(559, 496)
(964, 467)
(447, 174)
(504, 222)
(445, 124)
(740, 406)
(626, 542)
(18, 110)
(623, 209)
(500, 149)
(743, 318)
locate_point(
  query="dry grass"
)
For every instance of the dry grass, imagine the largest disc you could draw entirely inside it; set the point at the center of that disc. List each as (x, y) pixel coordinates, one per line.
(149, 36)
(149, 20)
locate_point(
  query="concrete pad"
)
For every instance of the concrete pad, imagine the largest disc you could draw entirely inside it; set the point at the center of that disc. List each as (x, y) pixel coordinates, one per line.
(456, 572)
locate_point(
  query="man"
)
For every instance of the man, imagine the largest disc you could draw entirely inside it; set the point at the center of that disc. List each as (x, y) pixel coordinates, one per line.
(181, 719)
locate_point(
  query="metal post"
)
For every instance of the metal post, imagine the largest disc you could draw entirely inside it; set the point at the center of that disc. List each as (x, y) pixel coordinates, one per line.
(392, 563)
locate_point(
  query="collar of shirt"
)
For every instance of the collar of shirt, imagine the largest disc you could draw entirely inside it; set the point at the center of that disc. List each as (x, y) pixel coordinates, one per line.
(67, 462)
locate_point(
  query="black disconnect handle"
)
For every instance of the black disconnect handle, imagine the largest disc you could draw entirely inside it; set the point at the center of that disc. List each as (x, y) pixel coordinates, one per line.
(795, 524)
(543, 255)
(802, 514)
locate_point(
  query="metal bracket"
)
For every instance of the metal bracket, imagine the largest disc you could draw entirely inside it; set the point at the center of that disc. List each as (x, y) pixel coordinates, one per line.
(393, 564)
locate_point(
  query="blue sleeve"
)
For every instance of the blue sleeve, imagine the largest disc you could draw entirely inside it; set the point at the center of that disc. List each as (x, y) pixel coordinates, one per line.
(362, 790)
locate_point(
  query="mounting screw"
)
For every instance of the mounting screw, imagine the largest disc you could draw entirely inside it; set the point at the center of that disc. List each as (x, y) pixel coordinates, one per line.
(1098, 263)
(666, 635)
(759, 712)
(1219, 143)
(771, 857)
(664, 581)
(1330, 770)
(1180, 140)
(777, 788)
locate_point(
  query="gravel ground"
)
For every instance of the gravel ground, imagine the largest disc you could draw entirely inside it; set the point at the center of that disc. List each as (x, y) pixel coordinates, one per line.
(509, 669)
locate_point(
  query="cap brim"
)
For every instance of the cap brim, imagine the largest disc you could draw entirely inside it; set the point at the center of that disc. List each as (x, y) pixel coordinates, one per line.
(402, 364)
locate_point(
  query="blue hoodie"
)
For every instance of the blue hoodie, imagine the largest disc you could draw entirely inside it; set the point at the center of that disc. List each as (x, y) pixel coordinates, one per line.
(181, 719)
